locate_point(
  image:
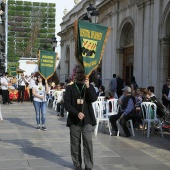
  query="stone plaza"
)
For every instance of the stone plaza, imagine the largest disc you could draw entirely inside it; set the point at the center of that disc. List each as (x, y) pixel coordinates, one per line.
(22, 147)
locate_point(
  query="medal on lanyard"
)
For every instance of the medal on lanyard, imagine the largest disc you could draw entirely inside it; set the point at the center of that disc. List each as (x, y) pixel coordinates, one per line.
(80, 100)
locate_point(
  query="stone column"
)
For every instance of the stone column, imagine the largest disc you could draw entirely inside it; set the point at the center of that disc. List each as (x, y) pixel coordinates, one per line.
(139, 45)
(164, 58)
(120, 61)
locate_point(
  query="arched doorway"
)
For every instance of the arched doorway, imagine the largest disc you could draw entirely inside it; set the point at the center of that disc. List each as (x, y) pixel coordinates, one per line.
(127, 44)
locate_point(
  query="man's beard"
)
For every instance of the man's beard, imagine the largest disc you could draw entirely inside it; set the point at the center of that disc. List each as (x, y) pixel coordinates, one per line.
(81, 78)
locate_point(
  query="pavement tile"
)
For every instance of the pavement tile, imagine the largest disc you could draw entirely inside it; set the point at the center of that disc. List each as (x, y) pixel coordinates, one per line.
(24, 148)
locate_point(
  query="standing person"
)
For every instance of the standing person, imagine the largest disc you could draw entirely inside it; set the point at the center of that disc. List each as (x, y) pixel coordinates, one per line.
(31, 85)
(133, 85)
(4, 87)
(166, 93)
(21, 88)
(99, 81)
(58, 95)
(120, 86)
(39, 90)
(113, 84)
(77, 102)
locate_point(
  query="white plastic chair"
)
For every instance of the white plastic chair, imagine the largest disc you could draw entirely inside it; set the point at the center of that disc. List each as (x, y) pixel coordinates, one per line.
(101, 98)
(129, 122)
(112, 109)
(147, 109)
(98, 107)
(51, 94)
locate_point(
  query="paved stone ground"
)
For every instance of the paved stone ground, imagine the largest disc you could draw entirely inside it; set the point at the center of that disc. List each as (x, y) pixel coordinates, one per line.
(24, 148)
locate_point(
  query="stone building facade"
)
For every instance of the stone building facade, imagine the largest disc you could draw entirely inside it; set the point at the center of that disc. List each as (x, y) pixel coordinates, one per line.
(2, 37)
(139, 42)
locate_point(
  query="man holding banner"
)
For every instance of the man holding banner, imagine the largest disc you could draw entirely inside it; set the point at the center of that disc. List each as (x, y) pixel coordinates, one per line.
(77, 102)
(90, 40)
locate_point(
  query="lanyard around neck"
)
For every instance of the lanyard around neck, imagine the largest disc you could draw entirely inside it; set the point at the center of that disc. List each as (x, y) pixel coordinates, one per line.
(80, 91)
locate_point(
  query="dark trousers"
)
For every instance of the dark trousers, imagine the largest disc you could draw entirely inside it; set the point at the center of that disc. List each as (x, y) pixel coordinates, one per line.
(122, 122)
(76, 134)
(21, 93)
(31, 96)
(166, 103)
(5, 96)
(60, 108)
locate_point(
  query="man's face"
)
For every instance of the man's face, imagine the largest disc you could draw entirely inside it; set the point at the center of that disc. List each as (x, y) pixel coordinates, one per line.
(80, 76)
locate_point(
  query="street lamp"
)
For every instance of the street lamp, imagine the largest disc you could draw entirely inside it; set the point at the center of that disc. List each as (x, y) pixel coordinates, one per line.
(54, 43)
(92, 14)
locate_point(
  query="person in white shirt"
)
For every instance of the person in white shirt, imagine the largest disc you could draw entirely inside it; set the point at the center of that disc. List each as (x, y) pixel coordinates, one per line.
(4, 87)
(31, 81)
(21, 88)
(58, 95)
(39, 91)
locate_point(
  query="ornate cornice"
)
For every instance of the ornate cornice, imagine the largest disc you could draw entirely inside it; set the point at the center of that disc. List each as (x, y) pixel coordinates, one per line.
(142, 3)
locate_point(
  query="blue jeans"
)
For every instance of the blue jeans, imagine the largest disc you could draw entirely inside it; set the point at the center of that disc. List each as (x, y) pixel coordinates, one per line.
(40, 108)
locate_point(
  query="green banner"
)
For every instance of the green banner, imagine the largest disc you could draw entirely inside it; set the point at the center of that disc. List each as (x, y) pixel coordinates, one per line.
(13, 71)
(90, 41)
(47, 63)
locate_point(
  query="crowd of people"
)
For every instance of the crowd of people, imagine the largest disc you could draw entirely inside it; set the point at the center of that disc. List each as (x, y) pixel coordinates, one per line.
(76, 97)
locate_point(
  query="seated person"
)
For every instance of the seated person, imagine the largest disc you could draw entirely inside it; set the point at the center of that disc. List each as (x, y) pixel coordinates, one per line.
(101, 91)
(127, 111)
(138, 99)
(160, 108)
(58, 95)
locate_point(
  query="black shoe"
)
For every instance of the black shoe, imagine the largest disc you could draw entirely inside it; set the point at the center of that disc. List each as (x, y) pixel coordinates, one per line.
(114, 134)
(44, 128)
(38, 128)
(62, 115)
(4, 102)
(78, 168)
(10, 103)
(88, 169)
(127, 135)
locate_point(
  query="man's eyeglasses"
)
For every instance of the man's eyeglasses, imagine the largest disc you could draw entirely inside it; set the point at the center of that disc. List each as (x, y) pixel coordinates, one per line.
(39, 77)
(22, 75)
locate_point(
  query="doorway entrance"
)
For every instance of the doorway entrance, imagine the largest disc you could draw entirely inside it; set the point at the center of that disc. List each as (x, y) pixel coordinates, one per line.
(128, 60)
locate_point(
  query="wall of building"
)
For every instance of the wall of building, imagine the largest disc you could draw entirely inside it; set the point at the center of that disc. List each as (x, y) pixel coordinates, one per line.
(149, 20)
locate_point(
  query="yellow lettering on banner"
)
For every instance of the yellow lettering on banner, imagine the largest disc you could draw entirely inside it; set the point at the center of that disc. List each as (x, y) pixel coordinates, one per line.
(91, 34)
(93, 63)
(84, 33)
(46, 65)
(47, 56)
(96, 35)
(47, 61)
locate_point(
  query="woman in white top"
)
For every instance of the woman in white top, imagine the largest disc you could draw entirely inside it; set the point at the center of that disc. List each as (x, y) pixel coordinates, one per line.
(39, 90)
